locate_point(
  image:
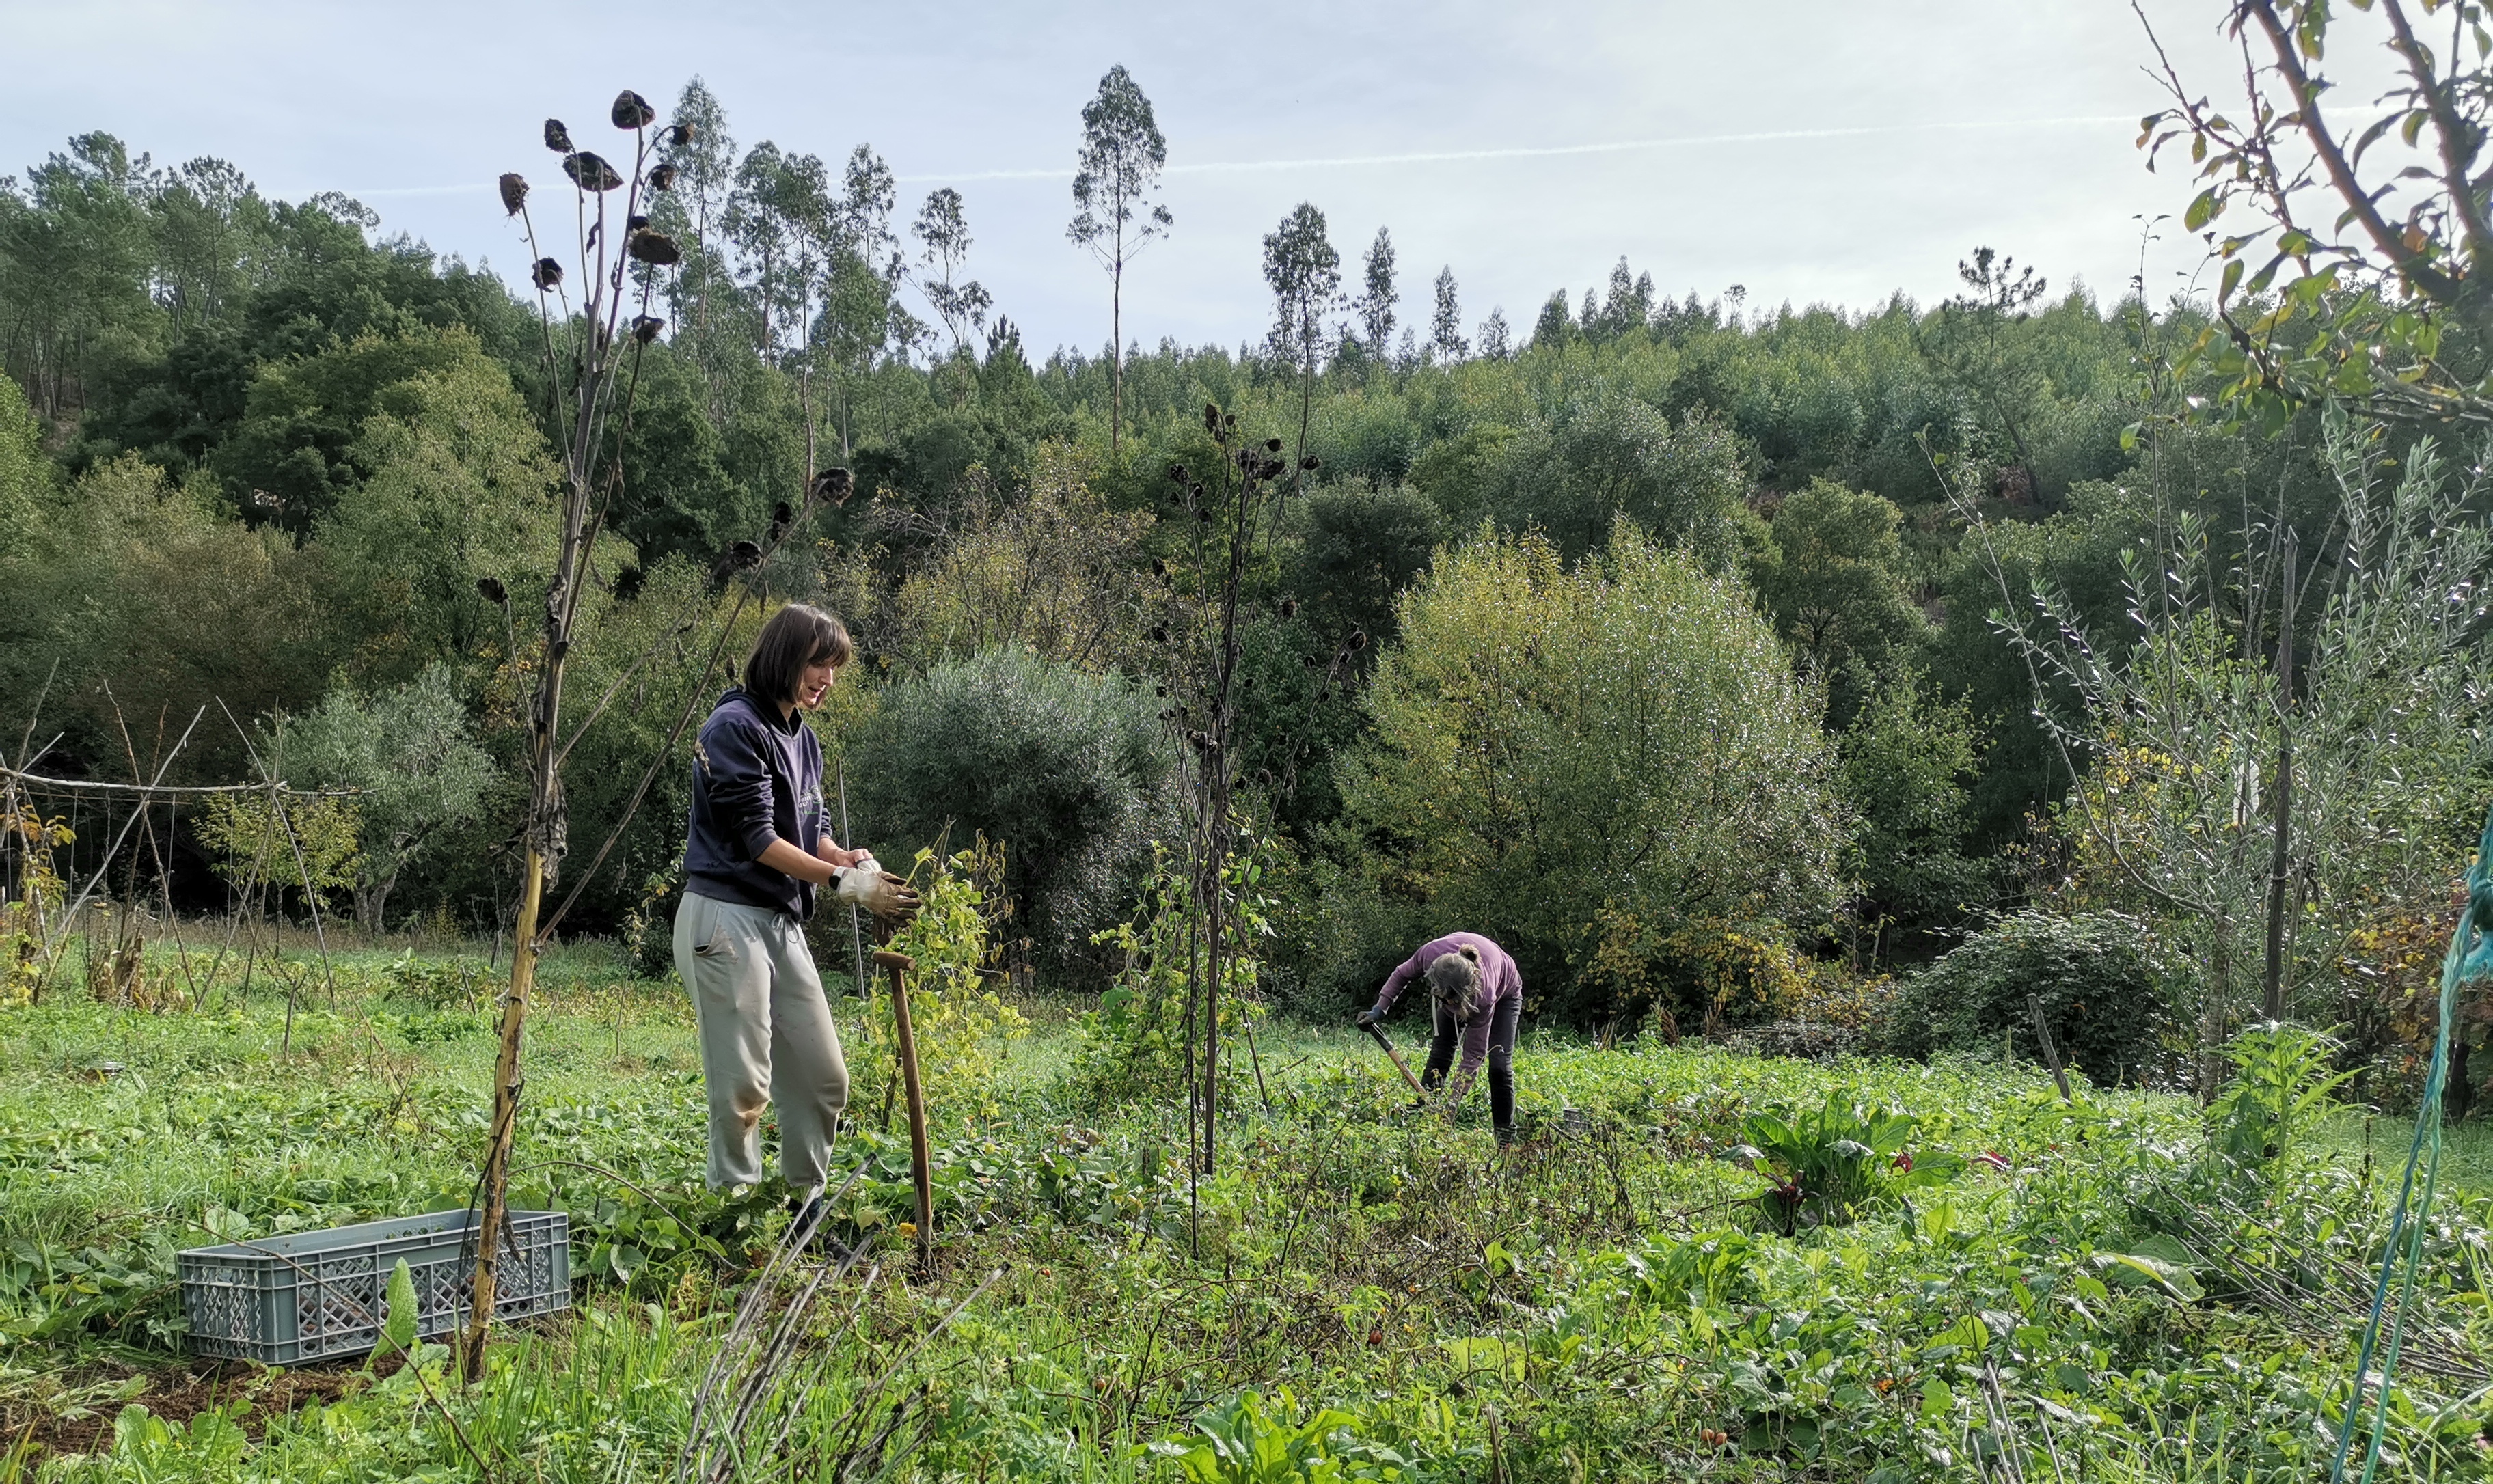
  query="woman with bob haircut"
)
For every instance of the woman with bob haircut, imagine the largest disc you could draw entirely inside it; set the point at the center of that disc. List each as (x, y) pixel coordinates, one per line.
(758, 845)
(1475, 994)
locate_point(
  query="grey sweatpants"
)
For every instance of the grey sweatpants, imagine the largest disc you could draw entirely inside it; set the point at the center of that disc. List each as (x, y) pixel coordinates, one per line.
(766, 1037)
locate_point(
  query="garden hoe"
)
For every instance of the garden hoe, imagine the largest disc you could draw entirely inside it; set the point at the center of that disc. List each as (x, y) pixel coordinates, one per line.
(1398, 1064)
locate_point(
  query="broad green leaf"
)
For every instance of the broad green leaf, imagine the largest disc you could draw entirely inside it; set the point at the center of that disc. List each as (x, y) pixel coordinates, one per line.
(398, 1330)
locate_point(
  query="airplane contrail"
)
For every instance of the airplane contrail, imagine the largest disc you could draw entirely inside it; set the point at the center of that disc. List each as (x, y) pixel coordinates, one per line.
(1442, 157)
(1540, 152)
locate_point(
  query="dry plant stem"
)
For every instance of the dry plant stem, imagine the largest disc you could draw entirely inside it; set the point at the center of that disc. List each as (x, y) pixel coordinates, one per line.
(2281, 854)
(738, 1374)
(593, 393)
(319, 935)
(506, 1103)
(920, 1162)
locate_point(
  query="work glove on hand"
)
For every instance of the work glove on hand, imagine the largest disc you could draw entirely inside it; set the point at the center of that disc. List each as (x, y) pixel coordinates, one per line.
(869, 885)
(1368, 1017)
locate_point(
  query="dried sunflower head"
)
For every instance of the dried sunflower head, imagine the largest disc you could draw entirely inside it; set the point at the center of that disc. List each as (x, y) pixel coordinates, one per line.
(515, 192)
(645, 328)
(656, 249)
(547, 274)
(589, 171)
(557, 138)
(662, 177)
(632, 111)
(680, 135)
(491, 590)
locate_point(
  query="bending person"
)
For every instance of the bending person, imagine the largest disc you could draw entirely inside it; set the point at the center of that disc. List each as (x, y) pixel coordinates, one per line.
(1476, 993)
(757, 847)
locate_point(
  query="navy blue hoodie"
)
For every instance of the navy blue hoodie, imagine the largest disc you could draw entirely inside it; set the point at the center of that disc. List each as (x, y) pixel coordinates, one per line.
(755, 779)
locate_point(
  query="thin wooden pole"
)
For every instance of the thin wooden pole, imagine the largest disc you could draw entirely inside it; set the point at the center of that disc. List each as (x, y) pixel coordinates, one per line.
(2050, 1051)
(920, 1167)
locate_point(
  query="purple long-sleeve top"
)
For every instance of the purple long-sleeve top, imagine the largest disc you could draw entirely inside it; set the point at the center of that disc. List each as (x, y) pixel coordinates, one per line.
(1499, 978)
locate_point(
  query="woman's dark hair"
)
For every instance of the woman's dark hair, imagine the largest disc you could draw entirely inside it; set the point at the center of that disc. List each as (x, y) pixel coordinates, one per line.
(796, 636)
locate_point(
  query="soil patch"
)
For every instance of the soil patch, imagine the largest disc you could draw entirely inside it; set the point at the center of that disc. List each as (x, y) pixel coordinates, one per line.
(178, 1393)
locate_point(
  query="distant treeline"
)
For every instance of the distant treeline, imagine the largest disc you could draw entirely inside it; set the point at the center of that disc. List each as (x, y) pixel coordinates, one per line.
(252, 457)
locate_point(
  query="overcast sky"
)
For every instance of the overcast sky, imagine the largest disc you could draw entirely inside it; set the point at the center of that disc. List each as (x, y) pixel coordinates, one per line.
(1811, 151)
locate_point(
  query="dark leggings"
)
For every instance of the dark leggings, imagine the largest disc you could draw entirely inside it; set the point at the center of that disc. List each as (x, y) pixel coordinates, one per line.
(1503, 1018)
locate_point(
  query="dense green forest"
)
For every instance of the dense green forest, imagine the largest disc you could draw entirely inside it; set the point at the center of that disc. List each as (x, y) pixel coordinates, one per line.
(265, 468)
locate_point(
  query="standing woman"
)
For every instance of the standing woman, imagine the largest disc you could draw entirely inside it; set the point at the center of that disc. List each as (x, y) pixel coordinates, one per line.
(1475, 993)
(758, 845)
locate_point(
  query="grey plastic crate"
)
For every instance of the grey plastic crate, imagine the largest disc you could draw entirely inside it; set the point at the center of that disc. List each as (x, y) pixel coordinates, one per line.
(312, 1295)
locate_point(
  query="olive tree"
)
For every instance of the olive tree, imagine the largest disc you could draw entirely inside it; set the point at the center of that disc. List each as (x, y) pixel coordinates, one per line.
(412, 751)
(2269, 750)
(1584, 763)
(1068, 770)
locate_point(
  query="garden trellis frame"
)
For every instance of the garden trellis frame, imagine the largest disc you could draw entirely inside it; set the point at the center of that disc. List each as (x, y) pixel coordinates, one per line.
(21, 788)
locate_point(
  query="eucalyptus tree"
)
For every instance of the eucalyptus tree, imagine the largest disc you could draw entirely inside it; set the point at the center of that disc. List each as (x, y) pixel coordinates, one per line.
(779, 217)
(1375, 306)
(701, 175)
(861, 317)
(943, 230)
(1496, 339)
(1304, 273)
(1445, 324)
(1122, 155)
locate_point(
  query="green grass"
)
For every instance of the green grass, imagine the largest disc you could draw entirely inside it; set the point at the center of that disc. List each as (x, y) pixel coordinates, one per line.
(1351, 1289)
